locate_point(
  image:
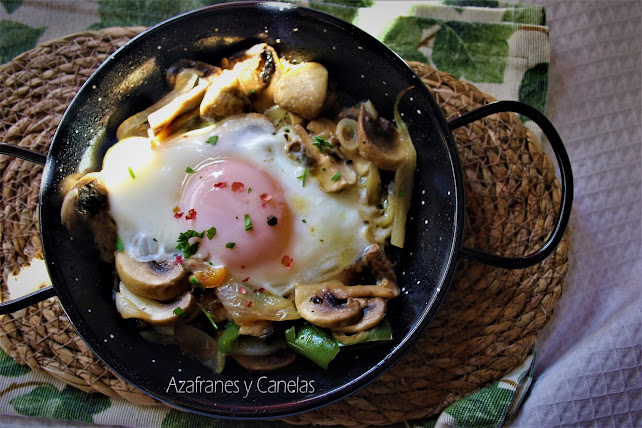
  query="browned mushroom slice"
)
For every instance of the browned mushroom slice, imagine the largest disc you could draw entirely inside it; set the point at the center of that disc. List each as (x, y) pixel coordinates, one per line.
(256, 67)
(265, 363)
(136, 125)
(320, 305)
(373, 312)
(85, 213)
(224, 97)
(375, 259)
(333, 173)
(131, 305)
(158, 281)
(181, 104)
(379, 141)
(303, 89)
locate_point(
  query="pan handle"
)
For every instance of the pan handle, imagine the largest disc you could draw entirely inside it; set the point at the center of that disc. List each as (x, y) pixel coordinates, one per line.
(566, 179)
(22, 153)
(27, 300)
(43, 293)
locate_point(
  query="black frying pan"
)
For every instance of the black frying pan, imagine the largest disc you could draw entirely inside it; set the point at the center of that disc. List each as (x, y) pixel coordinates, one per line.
(132, 79)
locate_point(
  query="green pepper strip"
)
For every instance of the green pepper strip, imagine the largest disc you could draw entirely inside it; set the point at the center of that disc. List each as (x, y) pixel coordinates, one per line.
(228, 340)
(382, 331)
(313, 344)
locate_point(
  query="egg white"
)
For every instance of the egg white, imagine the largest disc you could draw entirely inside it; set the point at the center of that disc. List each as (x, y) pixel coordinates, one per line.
(145, 181)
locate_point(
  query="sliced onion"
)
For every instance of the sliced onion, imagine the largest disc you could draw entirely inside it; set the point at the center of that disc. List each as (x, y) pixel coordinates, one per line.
(200, 345)
(245, 305)
(256, 347)
(347, 134)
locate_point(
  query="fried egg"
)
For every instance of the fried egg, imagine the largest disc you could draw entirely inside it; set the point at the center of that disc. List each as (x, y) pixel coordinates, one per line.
(261, 215)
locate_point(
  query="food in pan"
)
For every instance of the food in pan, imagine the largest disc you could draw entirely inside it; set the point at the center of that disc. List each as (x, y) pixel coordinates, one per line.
(247, 214)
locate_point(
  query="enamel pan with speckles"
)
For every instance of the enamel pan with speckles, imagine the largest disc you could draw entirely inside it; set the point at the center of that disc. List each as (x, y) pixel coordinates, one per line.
(133, 78)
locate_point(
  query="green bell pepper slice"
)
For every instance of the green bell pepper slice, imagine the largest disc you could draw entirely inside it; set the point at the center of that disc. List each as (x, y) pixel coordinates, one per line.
(229, 338)
(312, 343)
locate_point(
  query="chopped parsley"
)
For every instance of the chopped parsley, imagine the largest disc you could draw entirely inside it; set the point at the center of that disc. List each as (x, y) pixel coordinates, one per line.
(320, 143)
(248, 223)
(336, 176)
(211, 232)
(303, 176)
(119, 244)
(230, 245)
(189, 170)
(180, 312)
(249, 189)
(400, 194)
(184, 245)
(131, 172)
(209, 316)
(194, 281)
(212, 140)
(304, 220)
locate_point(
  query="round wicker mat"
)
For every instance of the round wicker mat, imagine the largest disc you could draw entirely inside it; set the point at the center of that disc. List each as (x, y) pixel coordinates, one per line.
(488, 322)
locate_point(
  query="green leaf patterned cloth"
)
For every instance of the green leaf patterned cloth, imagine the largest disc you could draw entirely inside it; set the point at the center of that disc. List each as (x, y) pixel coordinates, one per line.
(500, 47)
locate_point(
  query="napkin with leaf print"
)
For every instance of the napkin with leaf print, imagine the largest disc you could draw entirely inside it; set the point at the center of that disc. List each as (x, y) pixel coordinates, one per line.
(500, 47)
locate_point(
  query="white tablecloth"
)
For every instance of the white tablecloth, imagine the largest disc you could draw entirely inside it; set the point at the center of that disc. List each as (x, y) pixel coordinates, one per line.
(588, 366)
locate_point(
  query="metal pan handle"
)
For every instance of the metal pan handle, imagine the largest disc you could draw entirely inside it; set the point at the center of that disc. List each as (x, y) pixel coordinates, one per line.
(44, 293)
(566, 180)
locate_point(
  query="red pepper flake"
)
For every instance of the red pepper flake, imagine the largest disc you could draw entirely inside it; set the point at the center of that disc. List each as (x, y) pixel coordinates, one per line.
(238, 187)
(287, 261)
(191, 214)
(261, 290)
(179, 260)
(242, 290)
(220, 184)
(242, 266)
(249, 304)
(246, 279)
(177, 212)
(263, 205)
(265, 197)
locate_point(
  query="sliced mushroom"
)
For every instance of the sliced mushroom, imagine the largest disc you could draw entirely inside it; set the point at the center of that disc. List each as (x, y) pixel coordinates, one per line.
(158, 281)
(181, 104)
(224, 97)
(336, 305)
(320, 305)
(85, 213)
(130, 305)
(373, 312)
(376, 260)
(256, 67)
(379, 141)
(136, 125)
(303, 89)
(350, 274)
(265, 363)
(333, 173)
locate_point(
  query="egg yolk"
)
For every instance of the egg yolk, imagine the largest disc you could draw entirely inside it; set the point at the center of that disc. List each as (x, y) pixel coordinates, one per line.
(246, 206)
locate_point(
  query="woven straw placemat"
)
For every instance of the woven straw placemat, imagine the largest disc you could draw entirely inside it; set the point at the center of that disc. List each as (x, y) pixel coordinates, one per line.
(487, 325)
